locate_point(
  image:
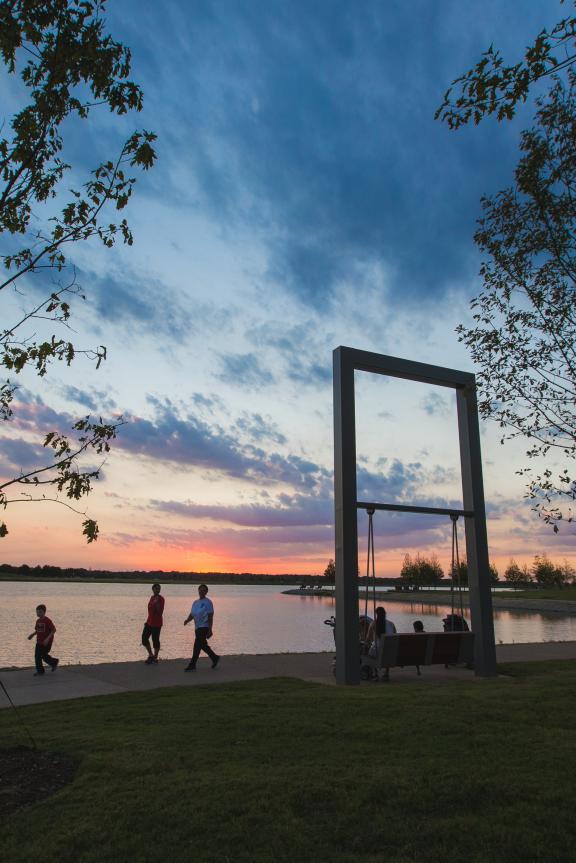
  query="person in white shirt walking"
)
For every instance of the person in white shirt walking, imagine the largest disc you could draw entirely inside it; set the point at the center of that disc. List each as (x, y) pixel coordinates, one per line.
(202, 613)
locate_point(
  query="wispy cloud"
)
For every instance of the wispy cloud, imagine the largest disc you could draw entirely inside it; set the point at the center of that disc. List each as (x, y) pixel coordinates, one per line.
(286, 511)
(301, 121)
(18, 456)
(259, 429)
(437, 405)
(96, 401)
(176, 435)
(303, 348)
(244, 370)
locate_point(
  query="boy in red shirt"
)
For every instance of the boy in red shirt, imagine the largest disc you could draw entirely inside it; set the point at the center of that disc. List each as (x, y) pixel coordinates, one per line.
(153, 624)
(44, 632)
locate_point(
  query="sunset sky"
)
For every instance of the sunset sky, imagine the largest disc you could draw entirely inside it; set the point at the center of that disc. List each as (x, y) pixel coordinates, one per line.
(304, 198)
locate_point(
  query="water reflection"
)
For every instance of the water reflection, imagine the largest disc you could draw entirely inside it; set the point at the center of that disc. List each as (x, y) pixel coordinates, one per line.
(103, 622)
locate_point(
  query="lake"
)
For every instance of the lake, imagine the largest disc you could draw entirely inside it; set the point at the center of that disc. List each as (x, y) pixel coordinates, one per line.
(103, 622)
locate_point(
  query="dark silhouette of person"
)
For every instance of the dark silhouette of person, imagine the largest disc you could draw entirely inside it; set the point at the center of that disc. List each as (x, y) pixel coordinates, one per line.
(153, 625)
(202, 613)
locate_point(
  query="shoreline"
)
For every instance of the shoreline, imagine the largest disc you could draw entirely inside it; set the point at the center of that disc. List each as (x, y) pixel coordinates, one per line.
(505, 603)
(554, 606)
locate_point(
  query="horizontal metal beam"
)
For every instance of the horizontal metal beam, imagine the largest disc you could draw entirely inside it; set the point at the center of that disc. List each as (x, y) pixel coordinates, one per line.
(365, 361)
(426, 510)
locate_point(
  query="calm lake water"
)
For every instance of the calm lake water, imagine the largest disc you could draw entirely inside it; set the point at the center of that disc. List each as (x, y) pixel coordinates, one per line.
(103, 622)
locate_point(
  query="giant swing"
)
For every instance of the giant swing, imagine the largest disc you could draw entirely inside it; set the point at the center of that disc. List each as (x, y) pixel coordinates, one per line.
(345, 362)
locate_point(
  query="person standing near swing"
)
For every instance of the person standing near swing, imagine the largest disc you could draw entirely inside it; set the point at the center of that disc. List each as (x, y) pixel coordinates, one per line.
(202, 613)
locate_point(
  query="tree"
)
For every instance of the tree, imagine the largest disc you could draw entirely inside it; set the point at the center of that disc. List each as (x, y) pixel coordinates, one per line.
(330, 572)
(461, 574)
(546, 573)
(421, 571)
(516, 575)
(524, 332)
(68, 65)
(567, 573)
(490, 87)
(549, 574)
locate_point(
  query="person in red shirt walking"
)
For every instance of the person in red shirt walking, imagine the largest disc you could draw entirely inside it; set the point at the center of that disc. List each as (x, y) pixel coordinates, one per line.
(153, 624)
(44, 632)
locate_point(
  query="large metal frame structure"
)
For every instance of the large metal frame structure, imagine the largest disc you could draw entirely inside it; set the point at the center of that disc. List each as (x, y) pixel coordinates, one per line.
(346, 361)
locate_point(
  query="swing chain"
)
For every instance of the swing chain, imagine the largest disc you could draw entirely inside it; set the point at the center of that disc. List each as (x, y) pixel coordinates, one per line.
(370, 559)
(456, 566)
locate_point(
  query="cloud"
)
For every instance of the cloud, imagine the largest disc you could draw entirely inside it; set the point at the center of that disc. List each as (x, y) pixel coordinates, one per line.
(250, 543)
(437, 405)
(209, 403)
(286, 511)
(314, 130)
(138, 302)
(97, 401)
(31, 414)
(18, 456)
(244, 370)
(174, 435)
(317, 508)
(256, 428)
(302, 347)
(394, 481)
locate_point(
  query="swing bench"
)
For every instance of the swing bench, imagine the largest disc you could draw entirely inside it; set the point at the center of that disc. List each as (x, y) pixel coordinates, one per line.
(414, 649)
(409, 649)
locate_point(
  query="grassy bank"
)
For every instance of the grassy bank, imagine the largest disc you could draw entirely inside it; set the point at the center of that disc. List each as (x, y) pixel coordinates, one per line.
(282, 771)
(502, 600)
(566, 594)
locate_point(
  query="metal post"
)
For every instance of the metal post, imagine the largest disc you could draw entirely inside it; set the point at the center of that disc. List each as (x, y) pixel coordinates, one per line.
(347, 642)
(476, 537)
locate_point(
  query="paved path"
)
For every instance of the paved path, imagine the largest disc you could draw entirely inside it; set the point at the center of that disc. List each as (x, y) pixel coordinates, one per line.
(83, 681)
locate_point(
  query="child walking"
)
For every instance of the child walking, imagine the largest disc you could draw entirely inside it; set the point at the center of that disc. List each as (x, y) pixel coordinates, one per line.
(44, 632)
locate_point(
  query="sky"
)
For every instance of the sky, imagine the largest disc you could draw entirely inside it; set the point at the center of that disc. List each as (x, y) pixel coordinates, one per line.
(304, 198)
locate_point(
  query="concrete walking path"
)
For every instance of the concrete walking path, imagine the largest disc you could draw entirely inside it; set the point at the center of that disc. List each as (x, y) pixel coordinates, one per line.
(83, 681)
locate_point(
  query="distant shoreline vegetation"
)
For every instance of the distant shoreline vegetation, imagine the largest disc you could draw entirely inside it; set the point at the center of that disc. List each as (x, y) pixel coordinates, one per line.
(57, 573)
(414, 576)
(48, 572)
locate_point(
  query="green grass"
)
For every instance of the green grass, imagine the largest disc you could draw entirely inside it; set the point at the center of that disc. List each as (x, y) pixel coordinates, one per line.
(566, 593)
(282, 770)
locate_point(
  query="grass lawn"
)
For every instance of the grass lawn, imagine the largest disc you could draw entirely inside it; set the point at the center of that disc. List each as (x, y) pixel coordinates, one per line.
(283, 770)
(566, 593)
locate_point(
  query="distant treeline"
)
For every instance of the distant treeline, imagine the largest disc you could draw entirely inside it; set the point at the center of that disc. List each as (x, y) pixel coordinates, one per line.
(48, 571)
(417, 572)
(160, 575)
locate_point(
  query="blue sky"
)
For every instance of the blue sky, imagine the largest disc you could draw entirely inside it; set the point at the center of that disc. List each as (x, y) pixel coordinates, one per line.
(304, 197)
